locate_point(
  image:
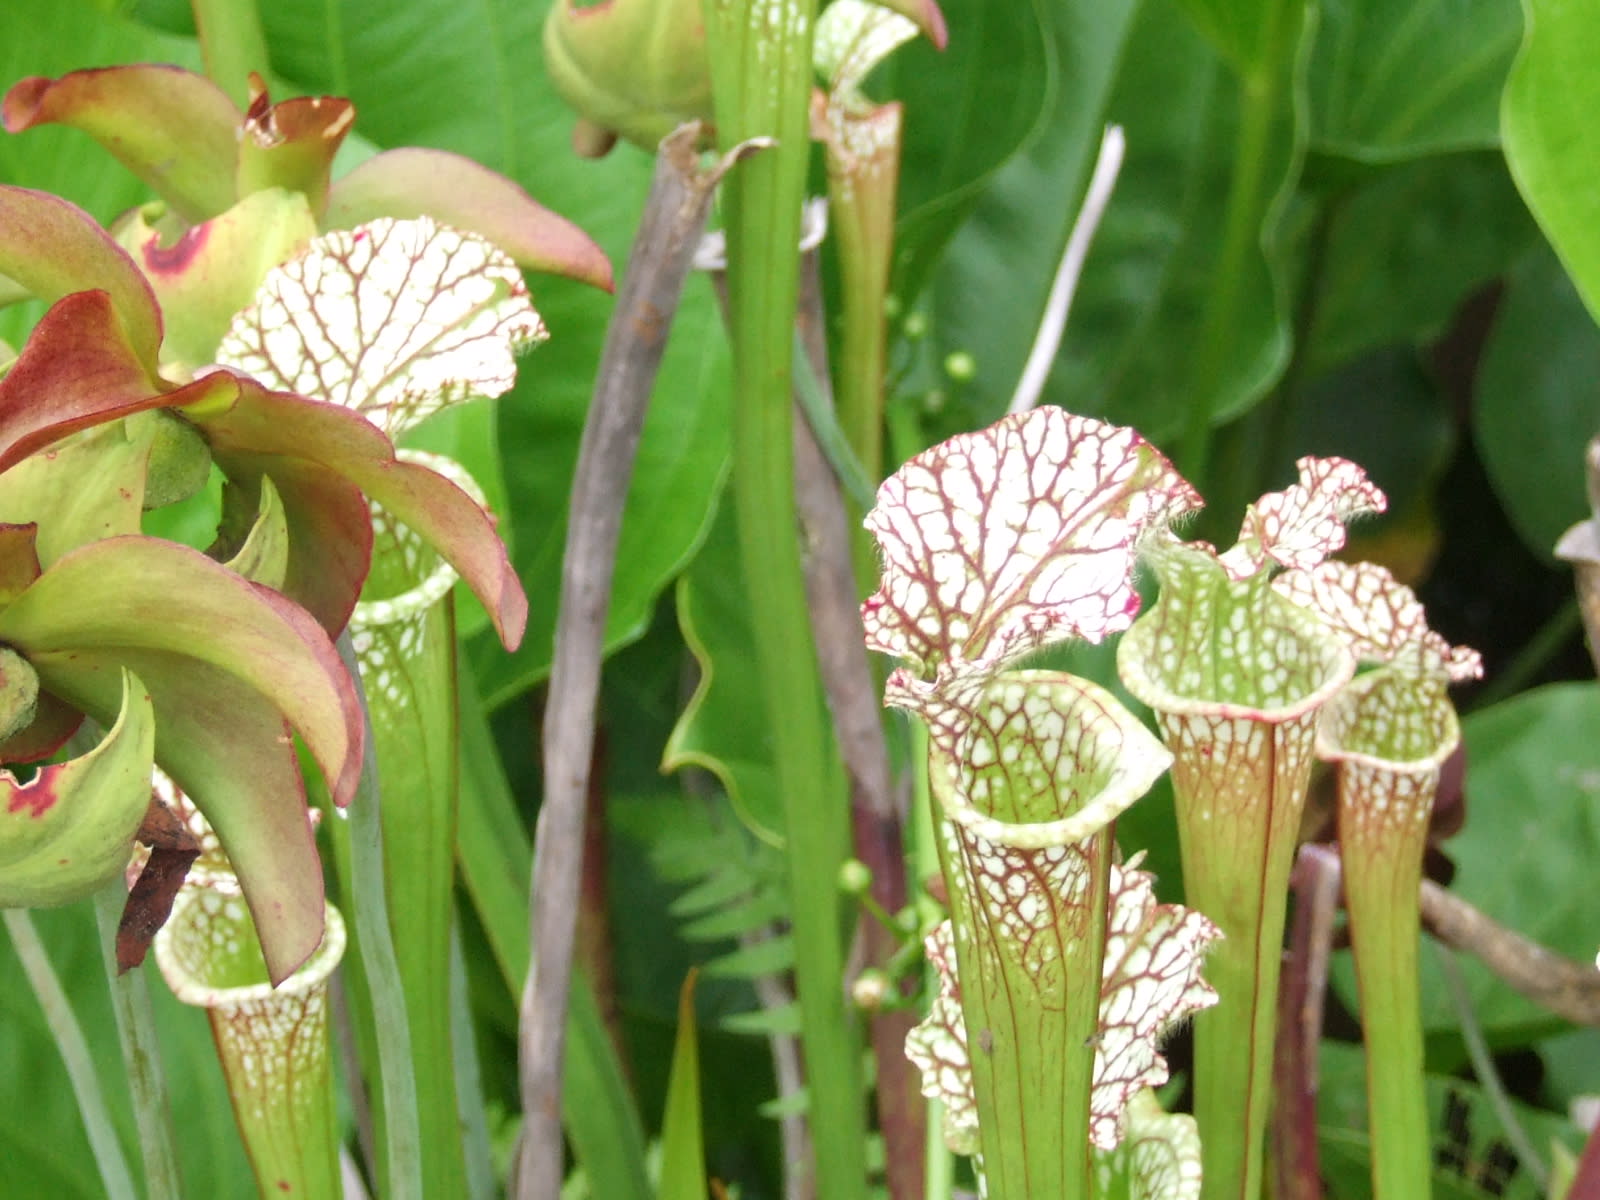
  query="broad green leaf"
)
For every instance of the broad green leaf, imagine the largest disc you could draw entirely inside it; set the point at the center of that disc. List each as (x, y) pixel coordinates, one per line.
(968, 109)
(1393, 81)
(1405, 248)
(1248, 33)
(678, 474)
(1551, 137)
(1182, 304)
(987, 292)
(35, 1095)
(722, 728)
(1538, 402)
(1525, 853)
(69, 830)
(683, 1167)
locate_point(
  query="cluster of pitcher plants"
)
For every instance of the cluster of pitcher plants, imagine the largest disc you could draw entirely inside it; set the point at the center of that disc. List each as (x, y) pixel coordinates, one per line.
(251, 729)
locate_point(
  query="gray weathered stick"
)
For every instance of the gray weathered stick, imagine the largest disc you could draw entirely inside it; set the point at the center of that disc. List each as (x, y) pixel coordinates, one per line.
(674, 215)
(1567, 988)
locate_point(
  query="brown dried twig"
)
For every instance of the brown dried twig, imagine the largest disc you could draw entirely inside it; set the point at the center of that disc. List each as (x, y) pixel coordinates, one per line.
(674, 215)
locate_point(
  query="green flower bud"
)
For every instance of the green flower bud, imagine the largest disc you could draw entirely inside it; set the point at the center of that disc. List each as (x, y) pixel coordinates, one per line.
(855, 877)
(180, 462)
(635, 68)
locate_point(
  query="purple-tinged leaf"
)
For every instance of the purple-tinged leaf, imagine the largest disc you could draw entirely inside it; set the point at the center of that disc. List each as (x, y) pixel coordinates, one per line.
(457, 192)
(69, 830)
(174, 129)
(53, 249)
(1300, 526)
(291, 144)
(396, 320)
(54, 721)
(1381, 618)
(998, 542)
(211, 270)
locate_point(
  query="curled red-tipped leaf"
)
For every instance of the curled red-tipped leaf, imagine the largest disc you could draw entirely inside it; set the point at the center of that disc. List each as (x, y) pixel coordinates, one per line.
(172, 128)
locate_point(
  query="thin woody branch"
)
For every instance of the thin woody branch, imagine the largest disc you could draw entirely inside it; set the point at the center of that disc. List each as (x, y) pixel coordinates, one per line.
(1567, 988)
(675, 212)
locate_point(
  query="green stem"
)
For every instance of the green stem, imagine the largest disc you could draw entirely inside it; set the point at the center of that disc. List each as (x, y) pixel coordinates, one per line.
(141, 1052)
(74, 1048)
(761, 67)
(1263, 91)
(401, 1168)
(1383, 869)
(232, 44)
(406, 646)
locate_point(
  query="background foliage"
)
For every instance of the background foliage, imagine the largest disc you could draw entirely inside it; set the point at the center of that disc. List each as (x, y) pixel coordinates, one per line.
(1387, 296)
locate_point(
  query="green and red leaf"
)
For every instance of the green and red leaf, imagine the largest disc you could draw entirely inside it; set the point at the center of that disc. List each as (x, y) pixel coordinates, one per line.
(69, 830)
(174, 129)
(231, 668)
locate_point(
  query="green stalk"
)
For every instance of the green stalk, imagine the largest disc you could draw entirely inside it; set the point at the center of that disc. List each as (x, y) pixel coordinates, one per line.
(141, 1052)
(1242, 748)
(1390, 731)
(1382, 875)
(361, 836)
(74, 1048)
(760, 55)
(232, 44)
(403, 633)
(862, 179)
(1266, 93)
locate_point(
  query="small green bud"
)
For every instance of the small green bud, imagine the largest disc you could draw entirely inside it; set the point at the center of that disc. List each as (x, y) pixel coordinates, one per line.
(870, 989)
(916, 326)
(960, 366)
(180, 462)
(855, 877)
